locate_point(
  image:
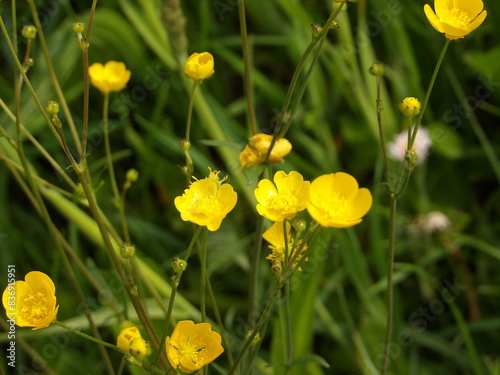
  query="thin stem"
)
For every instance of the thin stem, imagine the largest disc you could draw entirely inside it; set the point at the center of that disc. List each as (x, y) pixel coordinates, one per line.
(380, 108)
(247, 67)
(186, 143)
(284, 118)
(90, 338)
(428, 93)
(117, 197)
(176, 278)
(390, 288)
(53, 76)
(190, 110)
(203, 281)
(85, 58)
(288, 322)
(254, 281)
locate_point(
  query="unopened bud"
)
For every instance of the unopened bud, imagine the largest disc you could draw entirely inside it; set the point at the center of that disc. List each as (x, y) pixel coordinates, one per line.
(179, 265)
(29, 32)
(132, 175)
(316, 30)
(78, 27)
(411, 157)
(377, 69)
(52, 108)
(410, 107)
(255, 340)
(185, 144)
(127, 251)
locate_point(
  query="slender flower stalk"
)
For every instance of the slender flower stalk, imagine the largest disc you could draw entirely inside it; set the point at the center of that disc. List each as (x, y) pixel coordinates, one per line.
(176, 278)
(247, 67)
(53, 76)
(186, 143)
(284, 118)
(203, 280)
(428, 93)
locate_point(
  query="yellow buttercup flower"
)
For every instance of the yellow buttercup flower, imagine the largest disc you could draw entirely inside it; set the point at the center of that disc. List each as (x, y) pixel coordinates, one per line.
(282, 200)
(256, 150)
(206, 202)
(199, 66)
(455, 18)
(337, 201)
(31, 303)
(113, 76)
(276, 238)
(192, 346)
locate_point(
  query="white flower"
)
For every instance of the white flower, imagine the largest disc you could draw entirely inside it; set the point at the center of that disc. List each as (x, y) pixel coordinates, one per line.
(423, 142)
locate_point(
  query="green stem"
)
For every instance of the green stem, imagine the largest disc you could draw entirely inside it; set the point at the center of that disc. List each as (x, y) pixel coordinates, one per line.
(117, 197)
(390, 289)
(90, 338)
(428, 93)
(284, 110)
(288, 322)
(53, 76)
(254, 281)
(247, 67)
(380, 108)
(175, 284)
(203, 281)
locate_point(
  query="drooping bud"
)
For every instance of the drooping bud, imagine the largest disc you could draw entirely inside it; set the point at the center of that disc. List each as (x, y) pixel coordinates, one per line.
(132, 175)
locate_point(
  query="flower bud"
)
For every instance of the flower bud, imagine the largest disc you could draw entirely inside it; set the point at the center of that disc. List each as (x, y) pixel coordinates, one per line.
(78, 27)
(179, 265)
(411, 157)
(139, 348)
(132, 175)
(410, 107)
(377, 69)
(29, 32)
(185, 144)
(30, 62)
(299, 225)
(52, 108)
(127, 251)
(255, 340)
(316, 30)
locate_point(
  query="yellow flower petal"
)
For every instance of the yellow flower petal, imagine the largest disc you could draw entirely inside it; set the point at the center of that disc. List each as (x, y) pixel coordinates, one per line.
(433, 18)
(113, 76)
(199, 66)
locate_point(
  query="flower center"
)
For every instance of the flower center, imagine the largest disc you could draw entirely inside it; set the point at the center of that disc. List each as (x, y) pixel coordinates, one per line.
(284, 202)
(456, 18)
(202, 204)
(336, 208)
(34, 307)
(191, 352)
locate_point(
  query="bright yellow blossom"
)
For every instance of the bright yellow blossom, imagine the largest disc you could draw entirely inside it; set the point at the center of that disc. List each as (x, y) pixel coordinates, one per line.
(276, 238)
(206, 202)
(192, 346)
(31, 303)
(337, 201)
(256, 150)
(128, 332)
(199, 66)
(282, 199)
(113, 76)
(455, 18)
(410, 106)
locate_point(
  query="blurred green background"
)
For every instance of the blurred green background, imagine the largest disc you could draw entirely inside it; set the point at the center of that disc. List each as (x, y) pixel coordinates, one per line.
(338, 304)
